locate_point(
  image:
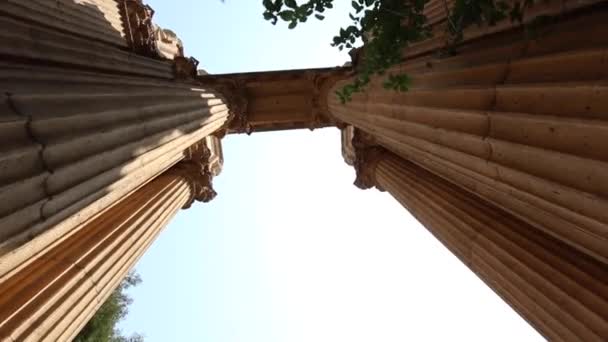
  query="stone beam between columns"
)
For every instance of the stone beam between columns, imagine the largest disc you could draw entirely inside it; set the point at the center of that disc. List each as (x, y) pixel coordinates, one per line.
(277, 100)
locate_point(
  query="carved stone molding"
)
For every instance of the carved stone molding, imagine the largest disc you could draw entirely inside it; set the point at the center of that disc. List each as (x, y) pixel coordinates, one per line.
(348, 150)
(202, 161)
(184, 68)
(199, 179)
(367, 155)
(147, 39)
(140, 32)
(277, 100)
(168, 43)
(322, 83)
(234, 93)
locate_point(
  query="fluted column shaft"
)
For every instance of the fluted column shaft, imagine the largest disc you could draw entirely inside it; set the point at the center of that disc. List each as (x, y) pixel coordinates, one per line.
(53, 295)
(93, 113)
(73, 143)
(87, 117)
(520, 122)
(560, 291)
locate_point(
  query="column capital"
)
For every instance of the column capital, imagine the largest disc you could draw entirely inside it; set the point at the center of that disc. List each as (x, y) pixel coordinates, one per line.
(199, 179)
(234, 92)
(367, 155)
(137, 20)
(202, 161)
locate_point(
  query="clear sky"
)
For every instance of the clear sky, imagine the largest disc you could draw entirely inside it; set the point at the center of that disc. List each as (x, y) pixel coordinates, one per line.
(290, 250)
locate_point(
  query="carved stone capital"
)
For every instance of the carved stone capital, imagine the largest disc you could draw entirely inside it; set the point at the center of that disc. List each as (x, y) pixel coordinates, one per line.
(234, 93)
(365, 165)
(202, 161)
(322, 84)
(348, 150)
(139, 30)
(367, 155)
(184, 68)
(199, 179)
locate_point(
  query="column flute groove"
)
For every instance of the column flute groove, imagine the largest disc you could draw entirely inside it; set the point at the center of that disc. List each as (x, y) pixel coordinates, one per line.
(51, 298)
(519, 122)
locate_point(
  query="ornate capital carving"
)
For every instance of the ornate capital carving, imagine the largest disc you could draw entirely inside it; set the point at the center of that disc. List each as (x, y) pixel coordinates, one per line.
(367, 155)
(322, 84)
(348, 150)
(235, 96)
(139, 30)
(202, 161)
(184, 68)
(199, 179)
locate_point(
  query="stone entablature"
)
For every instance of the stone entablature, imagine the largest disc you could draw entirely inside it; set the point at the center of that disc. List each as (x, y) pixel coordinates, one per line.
(277, 100)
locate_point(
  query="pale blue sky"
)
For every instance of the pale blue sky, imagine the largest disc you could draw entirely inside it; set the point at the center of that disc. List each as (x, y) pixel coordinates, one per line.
(290, 250)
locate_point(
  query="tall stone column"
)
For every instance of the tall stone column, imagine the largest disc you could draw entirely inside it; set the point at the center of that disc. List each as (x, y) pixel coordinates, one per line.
(97, 104)
(96, 101)
(519, 121)
(560, 291)
(75, 143)
(500, 151)
(54, 293)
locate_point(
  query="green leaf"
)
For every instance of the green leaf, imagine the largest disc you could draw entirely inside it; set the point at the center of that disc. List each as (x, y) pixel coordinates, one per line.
(319, 16)
(292, 25)
(291, 3)
(286, 15)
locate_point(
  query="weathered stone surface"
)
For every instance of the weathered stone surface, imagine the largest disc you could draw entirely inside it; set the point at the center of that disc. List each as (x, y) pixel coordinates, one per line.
(277, 100)
(519, 122)
(53, 294)
(500, 151)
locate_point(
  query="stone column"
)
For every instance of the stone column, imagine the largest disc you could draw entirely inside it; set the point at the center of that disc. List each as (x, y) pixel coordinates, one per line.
(520, 122)
(55, 291)
(560, 291)
(96, 101)
(500, 151)
(73, 144)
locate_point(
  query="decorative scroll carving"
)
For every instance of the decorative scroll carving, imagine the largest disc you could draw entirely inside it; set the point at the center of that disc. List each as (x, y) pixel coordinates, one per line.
(322, 82)
(348, 150)
(277, 100)
(200, 180)
(140, 32)
(147, 39)
(168, 43)
(234, 93)
(202, 161)
(185, 68)
(367, 155)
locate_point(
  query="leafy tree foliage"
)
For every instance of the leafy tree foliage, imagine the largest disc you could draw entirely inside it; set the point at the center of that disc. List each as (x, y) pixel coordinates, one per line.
(389, 26)
(102, 326)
